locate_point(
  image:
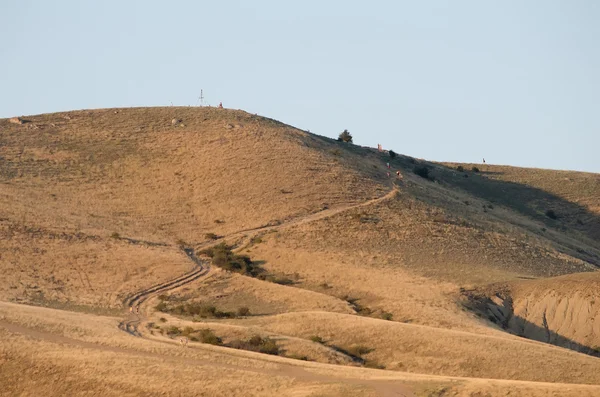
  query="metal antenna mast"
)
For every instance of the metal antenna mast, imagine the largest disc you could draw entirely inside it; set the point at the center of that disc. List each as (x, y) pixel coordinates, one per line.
(201, 98)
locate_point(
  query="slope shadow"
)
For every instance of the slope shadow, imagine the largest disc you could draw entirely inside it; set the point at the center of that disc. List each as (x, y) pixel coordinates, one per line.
(533, 203)
(572, 220)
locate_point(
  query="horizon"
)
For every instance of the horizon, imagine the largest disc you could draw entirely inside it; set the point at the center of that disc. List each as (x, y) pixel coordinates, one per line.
(515, 84)
(314, 133)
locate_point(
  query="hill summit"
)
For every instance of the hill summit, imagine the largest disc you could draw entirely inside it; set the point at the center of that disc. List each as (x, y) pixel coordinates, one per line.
(236, 232)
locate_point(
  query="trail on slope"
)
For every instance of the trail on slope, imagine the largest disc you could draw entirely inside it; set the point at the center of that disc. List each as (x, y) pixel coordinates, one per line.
(202, 268)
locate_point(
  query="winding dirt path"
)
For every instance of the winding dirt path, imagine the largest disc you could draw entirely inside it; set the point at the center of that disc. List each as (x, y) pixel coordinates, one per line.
(134, 302)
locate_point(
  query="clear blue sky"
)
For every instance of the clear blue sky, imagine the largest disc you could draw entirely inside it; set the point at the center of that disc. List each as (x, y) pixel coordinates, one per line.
(516, 82)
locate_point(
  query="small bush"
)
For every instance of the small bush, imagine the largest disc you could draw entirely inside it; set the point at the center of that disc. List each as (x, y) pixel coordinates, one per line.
(257, 344)
(219, 221)
(551, 214)
(173, 331)
(475, 169)
(115, 235)
(317, 339)
(298, 357)
(359, 350)
(211, 236)
(223, 257)
(460, 168)
(161, 307)
(392, 154)
(163, 297)
(422, 171)
(208, 336)
(163, 320)
(201, 310)
(345, 136)
(387, 316)
(243, 311)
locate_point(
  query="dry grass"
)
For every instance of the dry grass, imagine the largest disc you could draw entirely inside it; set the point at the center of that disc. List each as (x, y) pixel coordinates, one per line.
(86, 354)
(95, 205)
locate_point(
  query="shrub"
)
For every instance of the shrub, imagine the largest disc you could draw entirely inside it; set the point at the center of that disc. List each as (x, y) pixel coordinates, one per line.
(422, 171)
(345, 136)
(163, 320)
(173, 331)
(317, 339)
(551, 214)
(223, 257)
(211, 236)
(460, 168)
(243, 311)
(359, 350)
(298, 357)
(268, 346)
(115, 235)
(163, 297)
(256, 344)
(208, 336)
(392, 154)
(202, 310)
(475, 169)
(387, 316)
(161, 307)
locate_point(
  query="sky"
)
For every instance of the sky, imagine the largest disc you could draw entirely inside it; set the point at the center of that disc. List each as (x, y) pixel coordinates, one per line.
(514, 82)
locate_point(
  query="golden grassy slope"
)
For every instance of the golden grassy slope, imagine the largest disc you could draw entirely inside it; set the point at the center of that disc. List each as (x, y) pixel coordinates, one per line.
(132, 172)
(52, 352)
(70, 181)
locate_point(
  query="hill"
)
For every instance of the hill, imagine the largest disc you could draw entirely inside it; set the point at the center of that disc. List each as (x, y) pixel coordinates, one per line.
(203, 218)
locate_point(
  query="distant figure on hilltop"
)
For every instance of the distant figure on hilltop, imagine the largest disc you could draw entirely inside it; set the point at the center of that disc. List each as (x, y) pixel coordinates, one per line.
(220, 105)
(484, 161)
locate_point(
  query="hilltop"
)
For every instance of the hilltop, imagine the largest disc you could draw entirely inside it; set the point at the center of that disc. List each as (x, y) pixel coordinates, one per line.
(486, 272)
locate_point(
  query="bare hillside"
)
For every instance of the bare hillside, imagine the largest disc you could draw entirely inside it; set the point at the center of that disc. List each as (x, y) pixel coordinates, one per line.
(292, 261)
